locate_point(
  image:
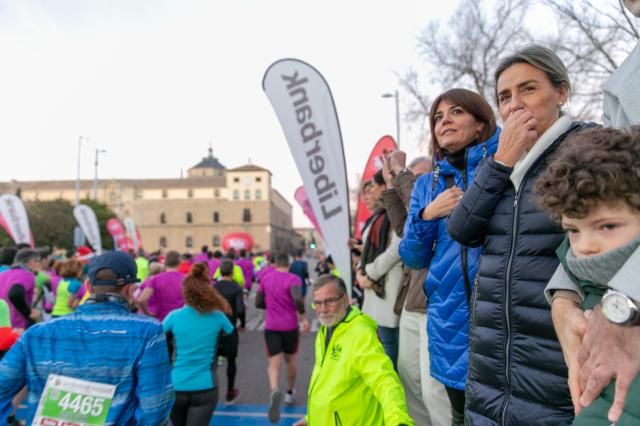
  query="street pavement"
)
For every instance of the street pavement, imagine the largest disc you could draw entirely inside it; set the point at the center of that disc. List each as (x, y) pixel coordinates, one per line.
(251, 378)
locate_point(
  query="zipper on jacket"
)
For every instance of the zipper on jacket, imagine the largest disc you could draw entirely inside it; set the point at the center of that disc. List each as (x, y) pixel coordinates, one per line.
(463, 249)
(514, 230)
(473, 306)
(507, 306)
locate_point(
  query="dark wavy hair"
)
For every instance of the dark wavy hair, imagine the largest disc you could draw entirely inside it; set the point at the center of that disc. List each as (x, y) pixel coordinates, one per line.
(472, 103)
(592, 167)
(200, 294)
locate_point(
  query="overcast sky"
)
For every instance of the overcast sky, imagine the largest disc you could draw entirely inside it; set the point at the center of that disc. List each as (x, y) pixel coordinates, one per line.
(155, 82)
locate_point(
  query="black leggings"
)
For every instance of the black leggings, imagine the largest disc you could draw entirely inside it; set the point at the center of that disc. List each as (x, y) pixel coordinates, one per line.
(231, 373)
(194, 408)
(456, 397)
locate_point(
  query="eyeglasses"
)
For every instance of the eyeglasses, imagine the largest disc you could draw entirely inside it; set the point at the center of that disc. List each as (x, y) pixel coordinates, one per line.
(326, 302)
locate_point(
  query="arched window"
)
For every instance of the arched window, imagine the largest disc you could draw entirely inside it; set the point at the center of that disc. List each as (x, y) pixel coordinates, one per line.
(258, 194)
(247, 194)
(163, 218)
(188, 242)
(189, 217)
(236, 194)
(216, 217)
(216, 241)
(163, 242)
(216, 193)
(190, 193)
(165, 193)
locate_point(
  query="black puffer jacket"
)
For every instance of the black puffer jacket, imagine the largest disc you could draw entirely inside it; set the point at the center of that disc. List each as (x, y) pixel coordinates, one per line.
(517, 374)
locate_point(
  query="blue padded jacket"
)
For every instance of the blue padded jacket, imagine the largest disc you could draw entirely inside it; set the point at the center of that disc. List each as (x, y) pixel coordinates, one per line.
(452, 267)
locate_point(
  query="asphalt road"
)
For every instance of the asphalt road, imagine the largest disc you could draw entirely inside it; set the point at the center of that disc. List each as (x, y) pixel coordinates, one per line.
(251, 378)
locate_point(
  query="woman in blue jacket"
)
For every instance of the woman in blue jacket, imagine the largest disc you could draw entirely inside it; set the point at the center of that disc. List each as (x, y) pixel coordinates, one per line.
(463, 132)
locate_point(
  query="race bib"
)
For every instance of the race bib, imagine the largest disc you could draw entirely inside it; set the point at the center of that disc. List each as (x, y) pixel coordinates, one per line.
(66, 401)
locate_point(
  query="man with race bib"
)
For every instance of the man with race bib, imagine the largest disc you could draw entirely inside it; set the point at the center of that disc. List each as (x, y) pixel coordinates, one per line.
(101, 365)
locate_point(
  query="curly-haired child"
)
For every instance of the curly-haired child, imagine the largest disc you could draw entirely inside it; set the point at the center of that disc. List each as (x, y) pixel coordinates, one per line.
(592, 186)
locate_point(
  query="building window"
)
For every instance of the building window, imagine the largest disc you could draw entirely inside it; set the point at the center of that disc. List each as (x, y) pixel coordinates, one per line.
(138, 194)
(190, 193)
(236, 179)
(247, 194)
(216, 241)
(163, 218)
(163, 242)
(258, 194)
(87, 196)
(216, 193)
(246, 215)
(188, 242)
(258, 179)
(189, 217)
(236, 194)
(112, 197)
(165, 193)
(216, 217)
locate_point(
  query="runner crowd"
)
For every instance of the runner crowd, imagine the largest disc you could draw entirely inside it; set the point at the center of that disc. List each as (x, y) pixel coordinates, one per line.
(518, 244)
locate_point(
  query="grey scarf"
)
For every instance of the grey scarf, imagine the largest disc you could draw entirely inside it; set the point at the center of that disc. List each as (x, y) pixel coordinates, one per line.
(601, 268)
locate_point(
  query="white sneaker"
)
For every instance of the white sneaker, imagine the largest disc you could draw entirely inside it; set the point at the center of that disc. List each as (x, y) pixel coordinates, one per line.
(289, 398)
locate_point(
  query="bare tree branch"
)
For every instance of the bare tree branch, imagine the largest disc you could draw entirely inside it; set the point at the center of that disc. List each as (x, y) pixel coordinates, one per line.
(591, 40)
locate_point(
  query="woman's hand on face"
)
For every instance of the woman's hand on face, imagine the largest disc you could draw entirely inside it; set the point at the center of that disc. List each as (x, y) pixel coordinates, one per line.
(443, 204)
(518, 136)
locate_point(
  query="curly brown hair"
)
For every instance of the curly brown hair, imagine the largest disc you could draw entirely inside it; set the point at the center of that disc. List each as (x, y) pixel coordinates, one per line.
(592, 167)
(200, 294)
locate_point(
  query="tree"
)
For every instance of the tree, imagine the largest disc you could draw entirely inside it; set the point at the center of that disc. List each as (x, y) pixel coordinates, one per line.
(52, 223)
(591, 40)
(465, 51)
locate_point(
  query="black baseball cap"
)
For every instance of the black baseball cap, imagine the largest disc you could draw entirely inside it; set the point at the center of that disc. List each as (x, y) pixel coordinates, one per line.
(120, 263)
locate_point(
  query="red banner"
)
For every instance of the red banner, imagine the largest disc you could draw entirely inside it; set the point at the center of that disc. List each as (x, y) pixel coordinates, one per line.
(116, 230)
(384, 146)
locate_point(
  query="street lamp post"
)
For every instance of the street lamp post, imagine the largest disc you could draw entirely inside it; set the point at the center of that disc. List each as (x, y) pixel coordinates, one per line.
(95, 178)
(397, 96)
(78, 172)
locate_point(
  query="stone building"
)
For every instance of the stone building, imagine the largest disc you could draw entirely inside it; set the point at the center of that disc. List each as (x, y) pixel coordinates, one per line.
(187, 213)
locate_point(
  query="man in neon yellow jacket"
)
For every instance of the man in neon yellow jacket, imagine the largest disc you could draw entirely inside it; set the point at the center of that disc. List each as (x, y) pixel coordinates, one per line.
(353, 381)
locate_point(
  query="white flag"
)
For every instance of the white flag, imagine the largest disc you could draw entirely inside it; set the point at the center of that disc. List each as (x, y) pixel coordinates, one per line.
(130, 227)
(303, 103)
(88, 222)
(14, 219)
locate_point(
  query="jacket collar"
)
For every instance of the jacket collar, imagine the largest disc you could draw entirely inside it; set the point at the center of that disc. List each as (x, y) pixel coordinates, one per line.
(474, 154)
(542, 144)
